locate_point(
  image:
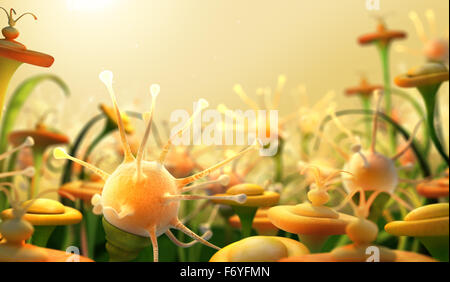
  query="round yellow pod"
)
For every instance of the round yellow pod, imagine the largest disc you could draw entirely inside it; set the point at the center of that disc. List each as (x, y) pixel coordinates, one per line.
(260, 249)
(247, 189)
(362, 231)
(44, 206)
(428, 212)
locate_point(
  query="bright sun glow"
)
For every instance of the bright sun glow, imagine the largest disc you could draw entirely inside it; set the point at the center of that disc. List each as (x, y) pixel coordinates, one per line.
(87, 5)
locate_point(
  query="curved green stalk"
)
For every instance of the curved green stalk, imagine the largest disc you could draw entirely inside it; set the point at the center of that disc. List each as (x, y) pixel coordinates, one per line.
(429, 94)
(67, 174)
(18, 99)
(107, 129)
(420, 112)
(424, 166)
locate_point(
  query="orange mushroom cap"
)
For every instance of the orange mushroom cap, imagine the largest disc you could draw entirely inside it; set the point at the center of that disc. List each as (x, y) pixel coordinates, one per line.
(364, 89)
(83, 190)
(382, 34)
(436, 188)
(42, 137)
(14, 50)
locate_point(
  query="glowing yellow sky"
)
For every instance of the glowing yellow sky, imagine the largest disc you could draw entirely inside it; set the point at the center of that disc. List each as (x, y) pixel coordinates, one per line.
(199, 48)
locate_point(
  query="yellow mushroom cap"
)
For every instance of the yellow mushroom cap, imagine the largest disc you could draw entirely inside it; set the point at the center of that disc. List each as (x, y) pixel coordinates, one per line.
(260, 249)
(309, 220)
(427, 74)
(430, 220)
(47, 212)
(256, 196)
(111, 115)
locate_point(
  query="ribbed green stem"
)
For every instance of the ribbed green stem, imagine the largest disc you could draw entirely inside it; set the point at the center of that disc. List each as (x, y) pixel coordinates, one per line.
(365, 100)
(278, 159)
(384, 54)
(38, 154)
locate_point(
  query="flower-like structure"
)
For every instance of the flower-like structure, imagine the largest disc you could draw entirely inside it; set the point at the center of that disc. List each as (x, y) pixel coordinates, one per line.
(427, 79)
(260, 249)
(372, 171)
(435, 47)
(16, 228)
(14, 53)
(363, 233)
(256, 197)
(427, 223)
(312, 221)
(383, 38)
(140, 199)
(43, 139)
(363, 90)
(45, 215)
(261, 223)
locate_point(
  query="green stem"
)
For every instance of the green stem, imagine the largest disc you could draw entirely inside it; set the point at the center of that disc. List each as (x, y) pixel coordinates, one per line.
(429, 94)
(384, 54)
(278, 158)
(41, 235)
(109, 127)
(246, 216)
(38, 154)
(67, 174)
(366, 106)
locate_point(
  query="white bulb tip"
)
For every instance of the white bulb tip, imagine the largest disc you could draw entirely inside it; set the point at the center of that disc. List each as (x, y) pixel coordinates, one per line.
(106, 77)
(154, 89)
(237, 88)
(29, 141)
(29, 171)
(59, 153)
(356, 148)
(224, 180)
(203, 103)
(241, 198)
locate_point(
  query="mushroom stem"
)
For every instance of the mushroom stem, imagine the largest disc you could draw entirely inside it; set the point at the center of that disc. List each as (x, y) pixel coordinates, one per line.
(38, 154)
(246, 216)
(313, 242)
